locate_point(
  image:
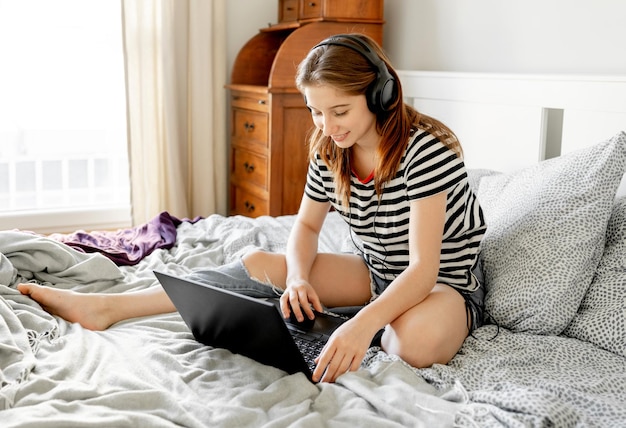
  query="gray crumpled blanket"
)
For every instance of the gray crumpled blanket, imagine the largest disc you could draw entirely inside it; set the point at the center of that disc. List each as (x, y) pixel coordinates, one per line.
(26, 257)
(150, 372)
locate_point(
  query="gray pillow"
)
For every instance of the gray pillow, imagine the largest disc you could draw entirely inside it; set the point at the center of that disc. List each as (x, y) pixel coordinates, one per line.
(545, 234)
(601, 318)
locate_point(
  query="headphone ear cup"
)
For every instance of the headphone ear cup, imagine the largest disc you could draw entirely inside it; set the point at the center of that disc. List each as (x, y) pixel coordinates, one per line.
(388, 93)
(382, 93)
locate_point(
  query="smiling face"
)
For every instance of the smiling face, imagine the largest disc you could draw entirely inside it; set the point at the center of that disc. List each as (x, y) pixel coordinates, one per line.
(344, 118)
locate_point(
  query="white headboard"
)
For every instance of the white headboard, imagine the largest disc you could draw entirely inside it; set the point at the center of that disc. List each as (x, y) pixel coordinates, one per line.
(508, 121)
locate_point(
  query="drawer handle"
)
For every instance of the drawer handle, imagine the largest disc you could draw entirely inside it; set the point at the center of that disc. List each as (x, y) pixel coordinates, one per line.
(248, 167)
(249, 127)
(312, 4)
(289, 8)
(249, 206)
(238, 98)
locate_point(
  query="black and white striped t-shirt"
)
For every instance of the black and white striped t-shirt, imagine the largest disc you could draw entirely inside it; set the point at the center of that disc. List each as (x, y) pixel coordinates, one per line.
(427, 168)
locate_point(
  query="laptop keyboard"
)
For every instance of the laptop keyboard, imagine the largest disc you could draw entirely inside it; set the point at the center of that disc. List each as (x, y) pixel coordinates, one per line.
(310, 347)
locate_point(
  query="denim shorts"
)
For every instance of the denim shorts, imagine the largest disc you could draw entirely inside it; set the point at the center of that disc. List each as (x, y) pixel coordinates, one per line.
(475, 300)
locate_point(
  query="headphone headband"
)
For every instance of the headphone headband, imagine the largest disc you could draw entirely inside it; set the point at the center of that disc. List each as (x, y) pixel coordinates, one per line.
(382, 93)
(362, 47)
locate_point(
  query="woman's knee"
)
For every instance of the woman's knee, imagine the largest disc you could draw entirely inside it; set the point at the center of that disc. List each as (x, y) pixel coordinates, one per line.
(422, 338)
(417, 349)
(260, 258)
(266, 267)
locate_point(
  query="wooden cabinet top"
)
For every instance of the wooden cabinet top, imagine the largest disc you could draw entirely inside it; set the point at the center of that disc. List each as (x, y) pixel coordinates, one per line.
(332, 10)
(271, 57)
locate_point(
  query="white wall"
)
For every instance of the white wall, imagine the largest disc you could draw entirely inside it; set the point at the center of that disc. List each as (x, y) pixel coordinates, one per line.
(244, 18)
(519, 36)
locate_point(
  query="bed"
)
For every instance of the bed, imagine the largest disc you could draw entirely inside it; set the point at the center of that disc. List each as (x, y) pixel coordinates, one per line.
(546, 156)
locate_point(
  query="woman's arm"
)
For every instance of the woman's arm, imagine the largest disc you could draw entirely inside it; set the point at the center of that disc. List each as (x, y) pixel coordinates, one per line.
(302, 245)
(426, 225)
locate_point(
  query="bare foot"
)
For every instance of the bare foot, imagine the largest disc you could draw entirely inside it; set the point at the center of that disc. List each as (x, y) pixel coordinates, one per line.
(89, 310)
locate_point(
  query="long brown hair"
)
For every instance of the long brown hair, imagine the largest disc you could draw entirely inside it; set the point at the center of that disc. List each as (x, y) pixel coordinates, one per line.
(347, 70)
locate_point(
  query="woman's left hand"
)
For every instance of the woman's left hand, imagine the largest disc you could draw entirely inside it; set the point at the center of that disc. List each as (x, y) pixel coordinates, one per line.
(343, 352)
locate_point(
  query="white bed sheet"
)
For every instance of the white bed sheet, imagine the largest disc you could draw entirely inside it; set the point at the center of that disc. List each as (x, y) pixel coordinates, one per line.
(151, 372)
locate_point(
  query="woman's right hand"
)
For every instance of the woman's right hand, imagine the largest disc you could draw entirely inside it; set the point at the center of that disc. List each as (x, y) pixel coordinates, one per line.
(301, 298)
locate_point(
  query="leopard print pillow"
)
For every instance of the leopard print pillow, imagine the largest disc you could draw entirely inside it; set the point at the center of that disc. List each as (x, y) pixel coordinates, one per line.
(545, 235)
(601, 318)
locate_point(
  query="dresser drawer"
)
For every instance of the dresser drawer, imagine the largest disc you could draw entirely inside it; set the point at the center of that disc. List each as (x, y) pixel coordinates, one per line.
(245, 203)
(310, 9)
(251, 126)
(250, 100)
(288, 11)
(361, 10)
(249, 168)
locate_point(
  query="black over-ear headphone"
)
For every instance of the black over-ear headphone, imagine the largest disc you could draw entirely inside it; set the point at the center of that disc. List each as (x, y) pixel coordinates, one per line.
(383, 91)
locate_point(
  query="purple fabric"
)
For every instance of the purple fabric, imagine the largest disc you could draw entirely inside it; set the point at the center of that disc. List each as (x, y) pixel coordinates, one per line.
(127, 247)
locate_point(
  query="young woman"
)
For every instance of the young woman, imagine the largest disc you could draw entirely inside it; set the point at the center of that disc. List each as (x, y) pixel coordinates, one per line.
(398, 179)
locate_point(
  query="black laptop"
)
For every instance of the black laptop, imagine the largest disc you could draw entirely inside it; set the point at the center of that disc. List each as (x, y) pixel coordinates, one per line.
(249, 326)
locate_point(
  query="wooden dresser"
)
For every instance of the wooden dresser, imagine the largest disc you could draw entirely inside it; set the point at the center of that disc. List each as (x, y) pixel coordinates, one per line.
(269, 121)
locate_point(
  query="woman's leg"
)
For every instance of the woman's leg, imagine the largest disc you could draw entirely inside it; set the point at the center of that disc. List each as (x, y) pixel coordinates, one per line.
(338, 279)
(431, 332)
(98, 311)
(341, 280)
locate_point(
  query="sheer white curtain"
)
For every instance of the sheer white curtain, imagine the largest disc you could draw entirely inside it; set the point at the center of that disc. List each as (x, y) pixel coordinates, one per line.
(176, 70)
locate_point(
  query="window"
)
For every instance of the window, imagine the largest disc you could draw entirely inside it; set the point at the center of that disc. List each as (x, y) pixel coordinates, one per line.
(63, 148)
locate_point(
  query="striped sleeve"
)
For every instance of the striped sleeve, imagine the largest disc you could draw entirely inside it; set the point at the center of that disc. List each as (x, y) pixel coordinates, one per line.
(431, 167)
(315, 188)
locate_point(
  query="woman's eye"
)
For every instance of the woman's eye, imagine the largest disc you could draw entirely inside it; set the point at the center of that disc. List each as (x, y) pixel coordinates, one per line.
(336, 114)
